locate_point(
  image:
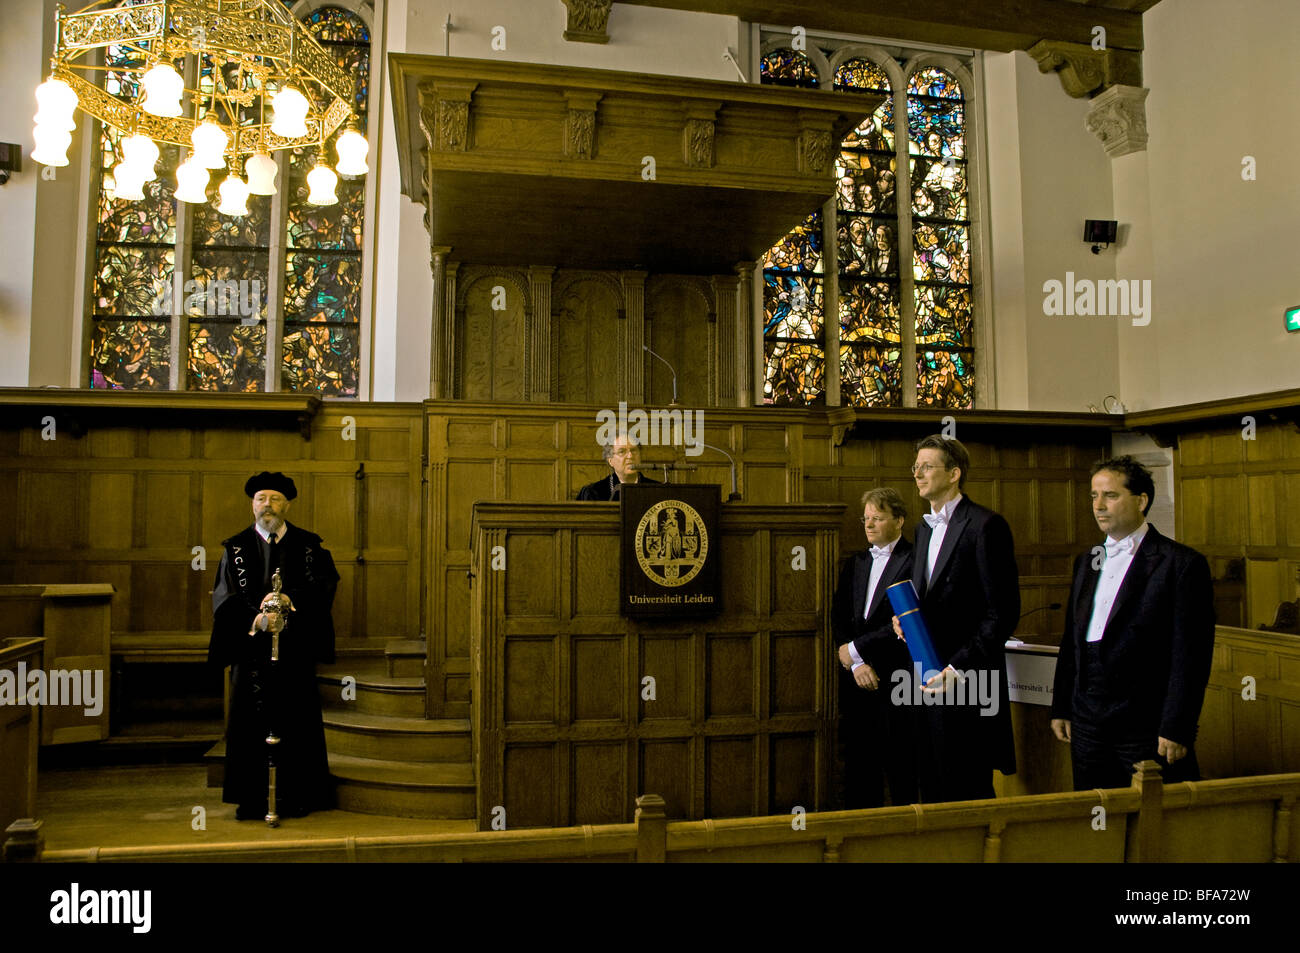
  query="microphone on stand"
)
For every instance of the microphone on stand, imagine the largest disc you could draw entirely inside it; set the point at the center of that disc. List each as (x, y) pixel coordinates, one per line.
(734, 497)
(670, 369)
(1017, 641)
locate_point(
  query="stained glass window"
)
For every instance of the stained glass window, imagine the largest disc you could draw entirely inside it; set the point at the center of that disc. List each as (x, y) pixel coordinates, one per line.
(223, 262)
(135, 261)
(867, 233)
(936, 131)
(788, 68)
(321, 350)
(879, 327)
(794, 316)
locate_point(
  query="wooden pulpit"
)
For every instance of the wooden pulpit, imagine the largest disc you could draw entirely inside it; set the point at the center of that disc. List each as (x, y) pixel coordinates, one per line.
(577, 710)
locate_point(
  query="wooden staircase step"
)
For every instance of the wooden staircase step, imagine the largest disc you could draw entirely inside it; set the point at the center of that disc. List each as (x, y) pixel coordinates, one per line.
(412, 647)
(405, 657)
(404, 789)
(391, 738)
(376, 694)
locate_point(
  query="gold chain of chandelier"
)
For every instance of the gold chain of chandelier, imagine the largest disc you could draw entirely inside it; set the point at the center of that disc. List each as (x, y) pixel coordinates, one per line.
(262, 61)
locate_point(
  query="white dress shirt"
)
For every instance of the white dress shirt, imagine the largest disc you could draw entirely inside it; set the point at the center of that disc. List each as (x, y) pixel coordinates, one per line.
(266, 537)
(938, 522)
(1119, 556)
(879, 560)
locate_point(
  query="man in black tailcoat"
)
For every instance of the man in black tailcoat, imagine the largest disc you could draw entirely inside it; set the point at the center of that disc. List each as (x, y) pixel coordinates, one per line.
(282, 696)
(877, 736)
(964, 570)
(1138, 643)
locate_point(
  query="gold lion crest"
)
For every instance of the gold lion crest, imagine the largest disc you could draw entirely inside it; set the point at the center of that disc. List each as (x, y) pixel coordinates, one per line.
(671, 543)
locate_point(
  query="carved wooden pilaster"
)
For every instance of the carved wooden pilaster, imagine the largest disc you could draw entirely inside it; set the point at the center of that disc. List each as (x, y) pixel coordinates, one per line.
(746, 393)
(438, 330)
(1118, 117)
(538, 346)
(724, 294)
(1084, 70)
(449, 336)
(698, 134)
(588, 20)
(444, 114)
(814, 145)
(580, 126)
(633, 325)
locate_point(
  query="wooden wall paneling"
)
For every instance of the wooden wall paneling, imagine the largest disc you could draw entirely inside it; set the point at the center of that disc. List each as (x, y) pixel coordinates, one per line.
(76, 627)
(1236, 504)
(163, 488)
(19, 734)
(1260, 735)
(680, 328)
(586, 366)
(490, 340)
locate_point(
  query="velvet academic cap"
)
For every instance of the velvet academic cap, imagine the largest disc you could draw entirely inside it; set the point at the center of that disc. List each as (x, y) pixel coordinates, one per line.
(271, 481)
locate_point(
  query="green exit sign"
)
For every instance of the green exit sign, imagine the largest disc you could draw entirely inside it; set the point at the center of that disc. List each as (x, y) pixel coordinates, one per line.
(1292, 318)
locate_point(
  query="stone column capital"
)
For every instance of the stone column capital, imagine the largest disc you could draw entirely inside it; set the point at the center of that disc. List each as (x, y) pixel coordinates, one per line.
(1118, 117)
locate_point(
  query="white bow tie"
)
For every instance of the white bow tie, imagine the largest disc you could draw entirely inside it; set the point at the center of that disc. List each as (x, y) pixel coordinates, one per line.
(1115, 547)
(878, 552)
(935, 519)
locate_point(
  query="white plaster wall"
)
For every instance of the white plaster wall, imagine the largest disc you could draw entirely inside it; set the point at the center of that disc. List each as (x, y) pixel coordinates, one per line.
(20, 66)
(641, 39)
(1223, 86)
(1047, 175)
(1006, 214)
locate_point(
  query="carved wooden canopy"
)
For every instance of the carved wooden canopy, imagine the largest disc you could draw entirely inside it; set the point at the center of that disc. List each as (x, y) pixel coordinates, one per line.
(525, 164)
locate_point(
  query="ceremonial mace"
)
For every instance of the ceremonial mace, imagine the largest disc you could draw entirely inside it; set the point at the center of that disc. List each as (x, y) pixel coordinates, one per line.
(275, 606)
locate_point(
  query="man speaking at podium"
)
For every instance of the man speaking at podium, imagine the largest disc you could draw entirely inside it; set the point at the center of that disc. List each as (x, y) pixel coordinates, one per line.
(624, 458)
(965, 574)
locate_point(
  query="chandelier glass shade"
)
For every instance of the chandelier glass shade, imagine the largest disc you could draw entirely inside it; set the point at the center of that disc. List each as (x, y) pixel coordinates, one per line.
(321, 181)
(191, 181)
(140, 154)
(225, 78)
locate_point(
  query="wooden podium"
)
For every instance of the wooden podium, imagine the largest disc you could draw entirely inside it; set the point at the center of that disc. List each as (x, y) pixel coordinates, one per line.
(578, 710)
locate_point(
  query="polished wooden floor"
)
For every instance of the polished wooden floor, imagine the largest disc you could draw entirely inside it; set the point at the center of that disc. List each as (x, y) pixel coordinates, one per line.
(154, 804)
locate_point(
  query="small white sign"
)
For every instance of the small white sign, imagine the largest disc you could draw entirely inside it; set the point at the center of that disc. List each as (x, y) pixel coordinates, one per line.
(1031, 672)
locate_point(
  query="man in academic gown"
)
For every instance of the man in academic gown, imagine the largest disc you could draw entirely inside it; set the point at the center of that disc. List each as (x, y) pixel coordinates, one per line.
(964, 570)
(1139, 639)
(282, 696)
(878, 736)
(624, 459)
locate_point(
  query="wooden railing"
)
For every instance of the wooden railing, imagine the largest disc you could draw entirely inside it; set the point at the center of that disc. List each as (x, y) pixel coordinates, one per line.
(1239, 819)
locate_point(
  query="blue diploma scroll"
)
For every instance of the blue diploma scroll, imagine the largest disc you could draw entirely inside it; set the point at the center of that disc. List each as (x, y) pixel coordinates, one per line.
(902, 596)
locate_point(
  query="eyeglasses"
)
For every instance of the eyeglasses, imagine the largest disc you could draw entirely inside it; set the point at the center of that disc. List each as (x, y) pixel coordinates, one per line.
(920, 468)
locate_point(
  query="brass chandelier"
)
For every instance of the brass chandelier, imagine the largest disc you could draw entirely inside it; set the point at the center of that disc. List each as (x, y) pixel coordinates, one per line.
(271, 87)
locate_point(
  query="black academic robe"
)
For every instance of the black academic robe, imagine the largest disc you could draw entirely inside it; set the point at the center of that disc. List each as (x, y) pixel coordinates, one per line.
(971, 606)
(282, 696)
(602, 490)
(878, 737)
